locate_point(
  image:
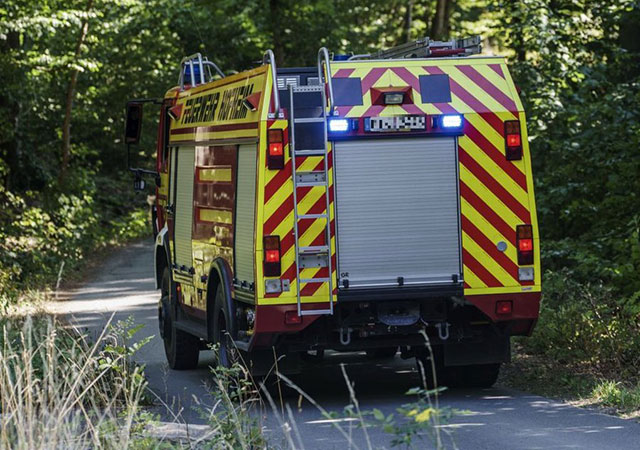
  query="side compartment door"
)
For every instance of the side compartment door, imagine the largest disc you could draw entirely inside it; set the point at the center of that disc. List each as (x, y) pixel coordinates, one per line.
(182, 185)
(245, 215)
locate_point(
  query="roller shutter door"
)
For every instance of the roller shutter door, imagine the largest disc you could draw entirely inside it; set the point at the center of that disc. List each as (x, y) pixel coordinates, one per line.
(184, 206)
(397, 211)
(245, 213)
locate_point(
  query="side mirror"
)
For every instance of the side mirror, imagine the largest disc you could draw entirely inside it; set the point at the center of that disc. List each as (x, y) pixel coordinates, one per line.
(139, 184)
(134, 123)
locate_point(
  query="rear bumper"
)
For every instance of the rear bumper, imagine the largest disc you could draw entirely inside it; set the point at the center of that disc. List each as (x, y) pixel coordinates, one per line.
(526, 305)
(270, 319)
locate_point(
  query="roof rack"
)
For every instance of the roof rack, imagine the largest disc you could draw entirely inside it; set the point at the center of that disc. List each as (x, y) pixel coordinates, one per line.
(426, 48)
(198, 70)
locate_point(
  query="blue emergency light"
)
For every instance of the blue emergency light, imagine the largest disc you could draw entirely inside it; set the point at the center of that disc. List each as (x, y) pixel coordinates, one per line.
(451, 121)
(196, 73)
(339, 125)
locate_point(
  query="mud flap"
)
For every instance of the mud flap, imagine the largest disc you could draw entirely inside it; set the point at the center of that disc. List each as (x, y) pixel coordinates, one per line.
(489, 351)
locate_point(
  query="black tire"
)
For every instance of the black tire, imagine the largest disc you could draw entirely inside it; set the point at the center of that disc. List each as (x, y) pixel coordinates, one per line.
(382, 353)
(182, 349)
(227, 351)
(473, 376)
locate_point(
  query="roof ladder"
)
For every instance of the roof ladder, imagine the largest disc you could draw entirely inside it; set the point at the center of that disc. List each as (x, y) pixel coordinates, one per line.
(308, 112)
(427, 48)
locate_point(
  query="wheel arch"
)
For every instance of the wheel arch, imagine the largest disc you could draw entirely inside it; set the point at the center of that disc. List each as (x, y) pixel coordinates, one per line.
(220, 274)
(161, 255)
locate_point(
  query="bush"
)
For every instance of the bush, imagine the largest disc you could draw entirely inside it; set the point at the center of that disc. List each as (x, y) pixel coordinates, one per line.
(615, 394)
(39, 232)
(587, 322)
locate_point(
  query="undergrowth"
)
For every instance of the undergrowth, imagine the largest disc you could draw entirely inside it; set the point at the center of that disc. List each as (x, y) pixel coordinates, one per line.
(586, 345)
(45, 237)
(58, 390)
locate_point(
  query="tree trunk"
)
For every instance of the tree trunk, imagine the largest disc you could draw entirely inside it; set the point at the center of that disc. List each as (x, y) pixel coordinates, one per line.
(447, 18)
(10, 148)
(438, 25)
(277, 33)
(408, 22)
(71, 88)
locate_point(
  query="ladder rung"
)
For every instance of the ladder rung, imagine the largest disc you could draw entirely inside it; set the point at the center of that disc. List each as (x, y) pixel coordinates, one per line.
(314, 312)
(314, 280)
(310, 183)
(316, 178)
(309, 120)
(312, 216)
(314, 249)
(316, 152)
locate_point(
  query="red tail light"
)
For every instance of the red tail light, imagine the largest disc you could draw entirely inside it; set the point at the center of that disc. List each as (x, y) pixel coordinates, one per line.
(513, 142)
(524, 238)
(275, 156)
(271, 245)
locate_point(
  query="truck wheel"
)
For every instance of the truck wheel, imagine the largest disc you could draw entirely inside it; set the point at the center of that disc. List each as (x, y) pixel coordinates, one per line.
(227, 351)
(182, 349)
(382, 353)
(473, 376)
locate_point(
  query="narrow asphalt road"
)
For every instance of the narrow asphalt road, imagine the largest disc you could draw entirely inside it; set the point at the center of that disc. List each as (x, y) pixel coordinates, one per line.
(495, 418)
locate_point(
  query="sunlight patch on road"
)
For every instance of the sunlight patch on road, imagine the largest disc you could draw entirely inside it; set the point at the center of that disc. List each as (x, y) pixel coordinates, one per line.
(325, 421)
(460, 425)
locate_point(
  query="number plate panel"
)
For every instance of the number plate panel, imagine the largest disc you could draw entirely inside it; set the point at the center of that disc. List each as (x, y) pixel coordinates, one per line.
(396, 123)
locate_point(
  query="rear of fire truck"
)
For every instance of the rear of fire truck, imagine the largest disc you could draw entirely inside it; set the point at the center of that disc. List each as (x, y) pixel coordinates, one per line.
(377, 203)
(397, 202)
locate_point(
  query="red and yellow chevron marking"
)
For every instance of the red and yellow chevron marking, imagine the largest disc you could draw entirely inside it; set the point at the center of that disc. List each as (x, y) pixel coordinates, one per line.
(279, 220)
(496, 195)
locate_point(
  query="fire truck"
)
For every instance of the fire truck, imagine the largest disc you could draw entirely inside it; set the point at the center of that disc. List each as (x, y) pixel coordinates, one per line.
(359, 205)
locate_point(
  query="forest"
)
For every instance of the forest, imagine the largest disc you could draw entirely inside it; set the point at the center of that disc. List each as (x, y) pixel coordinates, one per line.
(69, 67)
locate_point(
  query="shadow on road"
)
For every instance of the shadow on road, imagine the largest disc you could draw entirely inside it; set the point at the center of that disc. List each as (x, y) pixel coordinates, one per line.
(494, 418)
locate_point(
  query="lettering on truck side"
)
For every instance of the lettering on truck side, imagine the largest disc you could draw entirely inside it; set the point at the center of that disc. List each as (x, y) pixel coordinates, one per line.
(203, 108)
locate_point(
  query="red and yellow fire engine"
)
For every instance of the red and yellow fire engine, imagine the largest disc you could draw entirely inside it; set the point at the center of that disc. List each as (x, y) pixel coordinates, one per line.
(349, 207)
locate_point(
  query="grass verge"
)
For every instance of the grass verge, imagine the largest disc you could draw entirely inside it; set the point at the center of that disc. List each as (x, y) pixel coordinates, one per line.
(585, 348)
(57, 390)
(579, 383)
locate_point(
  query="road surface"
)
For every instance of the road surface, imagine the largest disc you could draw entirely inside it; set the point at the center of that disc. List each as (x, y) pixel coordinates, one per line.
(496, 418)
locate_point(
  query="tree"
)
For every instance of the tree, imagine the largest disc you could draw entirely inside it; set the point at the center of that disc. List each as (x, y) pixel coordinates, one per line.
(73, 79)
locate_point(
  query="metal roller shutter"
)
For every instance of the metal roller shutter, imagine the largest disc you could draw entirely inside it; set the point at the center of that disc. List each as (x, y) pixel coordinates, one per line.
(245, 213)
(397, 212)
(184, 206)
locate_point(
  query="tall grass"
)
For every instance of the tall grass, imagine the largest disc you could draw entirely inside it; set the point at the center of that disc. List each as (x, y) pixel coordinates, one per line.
(59, 391)
(418, 423)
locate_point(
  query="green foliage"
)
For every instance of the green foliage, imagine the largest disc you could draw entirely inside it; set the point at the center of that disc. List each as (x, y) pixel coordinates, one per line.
(44, 231)
(587, 323)
(615, 394)
(412, 421)
(581, 88)
(233, 417)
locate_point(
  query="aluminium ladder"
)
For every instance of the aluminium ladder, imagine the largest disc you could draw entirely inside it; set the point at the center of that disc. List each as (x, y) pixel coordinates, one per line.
(310, 117)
